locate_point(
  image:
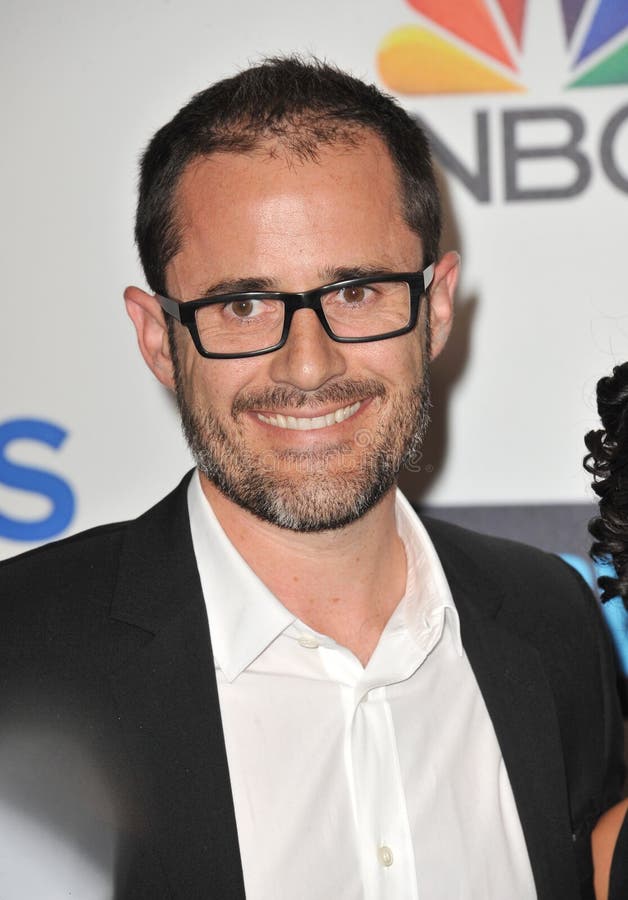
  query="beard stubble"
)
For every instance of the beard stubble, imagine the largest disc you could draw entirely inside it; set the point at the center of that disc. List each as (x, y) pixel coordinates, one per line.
(318, 489)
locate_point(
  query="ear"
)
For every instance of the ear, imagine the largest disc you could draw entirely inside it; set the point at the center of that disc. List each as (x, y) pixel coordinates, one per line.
(442, 300)
(152, 333)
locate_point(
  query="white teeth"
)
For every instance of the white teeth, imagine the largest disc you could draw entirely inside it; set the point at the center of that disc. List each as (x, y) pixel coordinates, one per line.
(302, 423)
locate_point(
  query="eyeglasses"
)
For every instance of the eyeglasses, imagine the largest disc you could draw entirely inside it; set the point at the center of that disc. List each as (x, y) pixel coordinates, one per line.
(251, 323)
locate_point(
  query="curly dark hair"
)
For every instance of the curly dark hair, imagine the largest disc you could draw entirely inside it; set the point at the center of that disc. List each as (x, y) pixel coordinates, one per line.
(607, 461)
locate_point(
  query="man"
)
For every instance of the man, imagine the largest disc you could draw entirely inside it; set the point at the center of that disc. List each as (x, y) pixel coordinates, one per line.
(288, 684)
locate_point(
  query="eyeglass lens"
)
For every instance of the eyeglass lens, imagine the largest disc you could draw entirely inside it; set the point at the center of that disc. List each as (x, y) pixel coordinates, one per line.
(245, 325)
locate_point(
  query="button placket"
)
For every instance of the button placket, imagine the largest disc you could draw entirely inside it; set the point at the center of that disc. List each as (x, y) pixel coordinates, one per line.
(388, 856)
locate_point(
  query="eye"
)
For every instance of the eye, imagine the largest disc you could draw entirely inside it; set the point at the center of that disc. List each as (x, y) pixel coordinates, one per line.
(245, 309)
(354, 294)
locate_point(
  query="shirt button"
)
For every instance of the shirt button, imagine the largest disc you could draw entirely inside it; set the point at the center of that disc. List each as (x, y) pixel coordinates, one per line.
(308, 641)
(385, 856)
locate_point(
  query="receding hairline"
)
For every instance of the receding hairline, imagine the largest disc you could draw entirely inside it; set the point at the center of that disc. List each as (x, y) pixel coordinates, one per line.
(270, 145)
(305, 103)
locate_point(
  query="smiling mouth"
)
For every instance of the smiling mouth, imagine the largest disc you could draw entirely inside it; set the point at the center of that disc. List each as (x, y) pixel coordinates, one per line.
(303, 423)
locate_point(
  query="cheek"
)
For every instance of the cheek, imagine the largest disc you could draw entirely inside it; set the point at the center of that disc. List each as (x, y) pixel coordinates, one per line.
(216, 383)
(415, 352)
(398, 361)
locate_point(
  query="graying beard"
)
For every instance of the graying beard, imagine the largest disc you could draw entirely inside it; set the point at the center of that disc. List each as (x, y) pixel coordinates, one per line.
(254, 494)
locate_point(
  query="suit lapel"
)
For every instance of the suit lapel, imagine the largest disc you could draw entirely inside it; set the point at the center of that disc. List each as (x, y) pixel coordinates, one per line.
(163, 679)
(521, 706)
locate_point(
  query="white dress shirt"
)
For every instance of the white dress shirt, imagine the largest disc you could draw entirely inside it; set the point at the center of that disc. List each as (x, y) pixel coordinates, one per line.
(383, 782)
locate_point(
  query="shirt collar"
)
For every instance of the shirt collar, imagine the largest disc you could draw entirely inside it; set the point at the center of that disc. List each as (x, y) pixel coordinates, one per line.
(244, 616)
(428, 596)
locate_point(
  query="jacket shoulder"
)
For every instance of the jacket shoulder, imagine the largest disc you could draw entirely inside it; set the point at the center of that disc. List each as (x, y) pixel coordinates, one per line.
(76, 577)
(65, 586)
(501, 559)
(89, 553)
(538, 592)
(85, 551)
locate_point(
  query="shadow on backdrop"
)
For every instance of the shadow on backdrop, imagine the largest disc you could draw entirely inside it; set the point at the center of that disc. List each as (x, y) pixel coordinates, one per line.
(446, 370)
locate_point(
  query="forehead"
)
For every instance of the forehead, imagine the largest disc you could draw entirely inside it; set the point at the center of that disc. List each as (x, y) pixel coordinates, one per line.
(261, 212)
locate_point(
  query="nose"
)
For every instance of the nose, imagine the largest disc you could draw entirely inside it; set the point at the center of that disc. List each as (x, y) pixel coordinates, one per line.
(309, 358)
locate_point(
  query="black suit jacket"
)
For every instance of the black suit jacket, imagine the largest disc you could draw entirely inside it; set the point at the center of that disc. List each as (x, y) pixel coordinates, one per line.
(105, 647)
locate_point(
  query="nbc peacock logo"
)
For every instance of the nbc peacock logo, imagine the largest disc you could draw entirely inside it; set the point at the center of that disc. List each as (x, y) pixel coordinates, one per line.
(477, 46)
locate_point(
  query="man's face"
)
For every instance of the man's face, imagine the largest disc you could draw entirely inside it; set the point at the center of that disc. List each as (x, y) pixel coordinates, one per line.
(255, 425)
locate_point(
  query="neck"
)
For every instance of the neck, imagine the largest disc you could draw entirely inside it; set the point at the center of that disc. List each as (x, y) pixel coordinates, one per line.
(343, 583)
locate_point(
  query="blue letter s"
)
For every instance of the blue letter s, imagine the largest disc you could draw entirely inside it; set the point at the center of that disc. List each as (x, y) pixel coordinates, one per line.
(36, 481)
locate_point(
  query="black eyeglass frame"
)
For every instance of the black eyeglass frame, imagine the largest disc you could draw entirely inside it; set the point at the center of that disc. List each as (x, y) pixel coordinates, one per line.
(184, 311)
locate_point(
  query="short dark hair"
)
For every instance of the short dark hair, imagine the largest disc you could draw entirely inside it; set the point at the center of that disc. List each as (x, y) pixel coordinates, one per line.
(607, 461)
(301, 103)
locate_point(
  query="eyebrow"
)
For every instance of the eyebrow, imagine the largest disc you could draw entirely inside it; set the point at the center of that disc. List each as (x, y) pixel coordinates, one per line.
(252, 284)
(238, 286)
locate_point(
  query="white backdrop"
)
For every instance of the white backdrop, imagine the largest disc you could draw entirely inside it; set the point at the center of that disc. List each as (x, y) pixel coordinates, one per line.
(543, 308)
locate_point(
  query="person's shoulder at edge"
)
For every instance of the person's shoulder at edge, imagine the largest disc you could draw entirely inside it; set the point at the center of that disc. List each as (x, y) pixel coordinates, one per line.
(604, 841)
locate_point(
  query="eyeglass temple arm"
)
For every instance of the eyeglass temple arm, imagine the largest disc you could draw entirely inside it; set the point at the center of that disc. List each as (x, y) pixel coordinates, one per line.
(170, 306)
